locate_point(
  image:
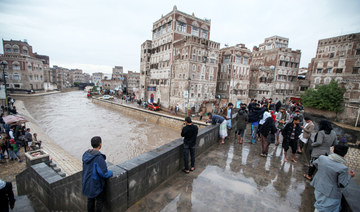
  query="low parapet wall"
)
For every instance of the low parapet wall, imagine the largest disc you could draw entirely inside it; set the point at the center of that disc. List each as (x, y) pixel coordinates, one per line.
(147, 115)
(132, 180)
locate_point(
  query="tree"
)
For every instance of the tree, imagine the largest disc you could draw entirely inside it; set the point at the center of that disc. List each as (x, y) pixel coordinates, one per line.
(76, 84)
(325, 97)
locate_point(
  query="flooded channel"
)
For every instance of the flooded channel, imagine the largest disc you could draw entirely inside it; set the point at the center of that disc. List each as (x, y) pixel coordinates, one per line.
(71, 120)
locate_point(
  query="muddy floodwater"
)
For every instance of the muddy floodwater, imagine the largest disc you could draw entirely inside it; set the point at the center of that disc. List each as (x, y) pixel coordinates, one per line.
(71, 120)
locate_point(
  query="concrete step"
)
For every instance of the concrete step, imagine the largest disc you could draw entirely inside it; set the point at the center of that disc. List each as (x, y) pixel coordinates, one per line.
(28, 204)
(23, 203)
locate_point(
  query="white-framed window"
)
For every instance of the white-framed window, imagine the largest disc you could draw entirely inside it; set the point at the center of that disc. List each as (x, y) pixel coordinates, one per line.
(180, 26)
(30, 77)
(213, 61)
(195, 31)
(204, 33)
(227, 58)
(16, 76)
(16, 65)
(238, 59)
(29, 67)
(246, 61)
(169, 27)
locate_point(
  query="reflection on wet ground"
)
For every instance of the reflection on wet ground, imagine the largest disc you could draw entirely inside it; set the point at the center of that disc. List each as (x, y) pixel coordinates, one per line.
(233, 177)
(71, 120)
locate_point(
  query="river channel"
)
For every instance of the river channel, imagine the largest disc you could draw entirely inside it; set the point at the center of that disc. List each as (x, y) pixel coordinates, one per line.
(71, 120)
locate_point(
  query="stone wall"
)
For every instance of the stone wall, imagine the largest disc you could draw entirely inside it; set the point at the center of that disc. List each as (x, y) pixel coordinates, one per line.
(132, 180)
(348, 116)
(147, 115)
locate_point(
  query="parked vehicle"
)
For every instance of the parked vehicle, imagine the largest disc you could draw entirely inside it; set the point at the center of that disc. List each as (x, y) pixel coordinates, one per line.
(106, 97)
(153, 106)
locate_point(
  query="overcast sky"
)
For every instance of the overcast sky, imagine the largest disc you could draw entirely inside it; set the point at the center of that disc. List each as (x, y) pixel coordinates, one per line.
(96, 35)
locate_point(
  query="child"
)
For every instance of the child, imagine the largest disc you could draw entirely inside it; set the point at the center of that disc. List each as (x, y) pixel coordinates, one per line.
(14, 150)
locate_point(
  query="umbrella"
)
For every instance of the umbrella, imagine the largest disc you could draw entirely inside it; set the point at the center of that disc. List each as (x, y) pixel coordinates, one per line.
(14, 119)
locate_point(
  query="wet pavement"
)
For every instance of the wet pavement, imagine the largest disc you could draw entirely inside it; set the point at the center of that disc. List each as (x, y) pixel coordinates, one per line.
(233, 177)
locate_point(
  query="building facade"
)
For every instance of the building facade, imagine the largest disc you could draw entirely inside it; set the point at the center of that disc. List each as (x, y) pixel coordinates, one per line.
(338, 58)
(274, 70)
(233, 78)
(133, 83)
(145, 56)
(25, 69)
(181, 52)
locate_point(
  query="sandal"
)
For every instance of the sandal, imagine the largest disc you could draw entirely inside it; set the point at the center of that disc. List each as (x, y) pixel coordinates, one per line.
(192, 169)
(263, 155)
(307, 177)
(186, 171)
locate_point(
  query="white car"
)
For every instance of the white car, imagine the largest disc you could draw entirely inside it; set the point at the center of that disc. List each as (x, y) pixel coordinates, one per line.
(106, 97)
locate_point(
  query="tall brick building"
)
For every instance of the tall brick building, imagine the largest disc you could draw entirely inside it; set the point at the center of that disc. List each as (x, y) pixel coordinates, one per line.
(182, 58)
(233, 77)
(25, 69)
(338, 58)
(274, 69)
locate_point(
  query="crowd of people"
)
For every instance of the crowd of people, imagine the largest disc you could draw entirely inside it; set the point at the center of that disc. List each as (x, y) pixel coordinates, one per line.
(15, 137)
(271, 120)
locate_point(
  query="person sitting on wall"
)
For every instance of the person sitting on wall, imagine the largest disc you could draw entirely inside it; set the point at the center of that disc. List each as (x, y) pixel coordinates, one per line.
(94, 174)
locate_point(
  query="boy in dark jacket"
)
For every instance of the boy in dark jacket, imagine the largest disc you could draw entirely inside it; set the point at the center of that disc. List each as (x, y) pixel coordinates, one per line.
(94, 174)
(291, 134)
(189, 132)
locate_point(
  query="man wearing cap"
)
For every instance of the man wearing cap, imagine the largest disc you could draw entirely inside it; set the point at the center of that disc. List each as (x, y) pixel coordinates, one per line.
(189, 132)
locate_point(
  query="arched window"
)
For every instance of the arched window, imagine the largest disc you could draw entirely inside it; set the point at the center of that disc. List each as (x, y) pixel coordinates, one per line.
(15, 48)
(16, 65)
(25, 50)
(29, 67)
(7, 48)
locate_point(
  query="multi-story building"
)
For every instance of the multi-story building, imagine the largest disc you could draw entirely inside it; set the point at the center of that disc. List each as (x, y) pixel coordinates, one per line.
(77, 76)
(274, 70)
(233, 77)
(119, 79)
(133, 83)
(97, 78)
(338, 58)
(59, 77)
(25, 69)
(145, 55)
(181, 62)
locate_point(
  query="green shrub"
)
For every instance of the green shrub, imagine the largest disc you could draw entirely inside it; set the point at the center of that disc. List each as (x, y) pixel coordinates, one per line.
(325, 97)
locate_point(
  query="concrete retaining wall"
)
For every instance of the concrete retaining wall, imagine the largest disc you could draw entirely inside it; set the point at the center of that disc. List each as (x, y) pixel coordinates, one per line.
(132, 179)
(147, 115)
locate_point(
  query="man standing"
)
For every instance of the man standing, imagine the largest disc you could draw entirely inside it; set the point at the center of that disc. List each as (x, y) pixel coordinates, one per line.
(282, 119)
(242, 119)
(307, 130)
(189, 132)
(94, 174)
(332, 175)
(227, 114)
(291, 134)
(6, 196)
